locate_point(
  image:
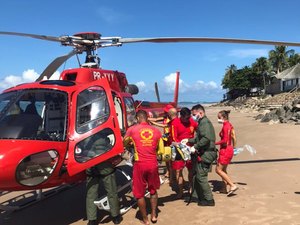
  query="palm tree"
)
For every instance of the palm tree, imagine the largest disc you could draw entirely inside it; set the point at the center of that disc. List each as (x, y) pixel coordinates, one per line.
(230, 70)
(294, 59)
(279, 58)
(261, 67)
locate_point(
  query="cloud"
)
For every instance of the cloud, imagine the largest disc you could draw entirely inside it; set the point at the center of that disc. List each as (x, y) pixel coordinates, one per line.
(27, 76)
(246, 53)
(193, 91)
(141, 85)
(169, 82)
(211, 85)
(55, 76)
(13, 80)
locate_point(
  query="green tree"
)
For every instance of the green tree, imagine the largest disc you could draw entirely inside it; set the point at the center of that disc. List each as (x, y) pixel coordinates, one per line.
(279, 58)
(261, 69)
(239, 80)
(293, 59)
(230, 70)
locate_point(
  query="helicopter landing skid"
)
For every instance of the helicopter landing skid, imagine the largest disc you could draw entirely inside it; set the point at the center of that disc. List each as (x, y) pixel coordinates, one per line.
(27, 198)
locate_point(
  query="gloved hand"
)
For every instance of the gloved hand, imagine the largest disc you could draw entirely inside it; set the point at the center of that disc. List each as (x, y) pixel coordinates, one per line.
(184, 141)
(193, 150)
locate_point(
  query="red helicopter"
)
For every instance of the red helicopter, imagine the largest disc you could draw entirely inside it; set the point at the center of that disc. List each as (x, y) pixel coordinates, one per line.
(48, 127)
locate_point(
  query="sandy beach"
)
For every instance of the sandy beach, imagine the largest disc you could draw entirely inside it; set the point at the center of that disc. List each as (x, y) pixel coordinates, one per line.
(269, 186)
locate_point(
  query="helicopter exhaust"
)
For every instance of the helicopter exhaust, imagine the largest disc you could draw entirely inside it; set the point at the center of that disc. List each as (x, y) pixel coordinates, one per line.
(156, 91)
(132, 89)
(176, 88)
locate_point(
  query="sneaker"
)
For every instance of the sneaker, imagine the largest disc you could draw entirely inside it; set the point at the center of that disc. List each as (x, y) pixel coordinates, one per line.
(117, 219)
(92, 222)
(206, 202)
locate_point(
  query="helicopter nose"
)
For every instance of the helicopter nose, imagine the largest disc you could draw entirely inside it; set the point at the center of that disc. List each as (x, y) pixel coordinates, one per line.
(5, 175)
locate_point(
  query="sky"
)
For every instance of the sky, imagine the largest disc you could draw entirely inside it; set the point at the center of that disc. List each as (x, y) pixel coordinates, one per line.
(201, 65)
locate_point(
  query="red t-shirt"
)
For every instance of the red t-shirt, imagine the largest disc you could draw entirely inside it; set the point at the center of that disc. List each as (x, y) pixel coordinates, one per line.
(145, 140)
(181, 130)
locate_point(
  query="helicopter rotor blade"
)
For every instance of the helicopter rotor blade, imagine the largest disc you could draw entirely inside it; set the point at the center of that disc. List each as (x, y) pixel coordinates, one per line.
(205, 39)
(99, 42)
(43, 37)
(55, 64)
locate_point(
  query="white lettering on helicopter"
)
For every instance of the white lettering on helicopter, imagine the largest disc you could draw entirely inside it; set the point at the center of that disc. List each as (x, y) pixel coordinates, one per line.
(97, 76)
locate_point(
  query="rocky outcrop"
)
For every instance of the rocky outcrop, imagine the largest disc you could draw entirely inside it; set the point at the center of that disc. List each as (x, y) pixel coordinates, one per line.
(281, 108)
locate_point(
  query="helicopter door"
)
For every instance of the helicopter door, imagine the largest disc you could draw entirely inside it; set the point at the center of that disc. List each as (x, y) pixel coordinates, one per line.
(94, 129)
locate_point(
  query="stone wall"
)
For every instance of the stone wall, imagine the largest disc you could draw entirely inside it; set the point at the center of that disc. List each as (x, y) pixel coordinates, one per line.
(281, 108)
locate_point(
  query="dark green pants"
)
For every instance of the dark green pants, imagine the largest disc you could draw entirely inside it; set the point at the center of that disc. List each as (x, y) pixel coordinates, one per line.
(202, 190)
(106, 173)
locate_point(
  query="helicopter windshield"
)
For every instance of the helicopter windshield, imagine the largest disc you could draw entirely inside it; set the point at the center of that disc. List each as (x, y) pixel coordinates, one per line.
(33, 114)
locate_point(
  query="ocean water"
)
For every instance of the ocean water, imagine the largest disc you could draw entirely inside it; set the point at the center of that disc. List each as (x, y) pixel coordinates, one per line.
(191, 104)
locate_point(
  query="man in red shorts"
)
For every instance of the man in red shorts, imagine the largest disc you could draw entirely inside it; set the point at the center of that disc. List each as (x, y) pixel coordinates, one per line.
(182, 128)
(146, 140)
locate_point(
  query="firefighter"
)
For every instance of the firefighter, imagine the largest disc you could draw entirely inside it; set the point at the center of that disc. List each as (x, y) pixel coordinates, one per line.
(147, 142)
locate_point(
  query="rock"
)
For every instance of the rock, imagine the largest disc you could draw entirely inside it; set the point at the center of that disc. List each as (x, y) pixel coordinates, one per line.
(270, 116)
(294, 119)
(283, 108)
(283, 120)
(259, 116)
(296, 107)
(273, 122)
(280, 112)
(288, 114)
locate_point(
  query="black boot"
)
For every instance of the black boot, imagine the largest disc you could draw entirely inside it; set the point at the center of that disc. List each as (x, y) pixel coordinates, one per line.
(117, 219)
(206, 202)
(92, 222)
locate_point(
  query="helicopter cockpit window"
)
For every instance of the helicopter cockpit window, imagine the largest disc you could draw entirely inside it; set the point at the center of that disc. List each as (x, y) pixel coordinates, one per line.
(130, 111)
(92, 109)
(95, 145)
(33, 114)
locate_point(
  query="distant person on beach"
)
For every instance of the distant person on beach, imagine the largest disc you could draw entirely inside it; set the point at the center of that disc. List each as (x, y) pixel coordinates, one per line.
(147, 141)
(205, 152)
(182, 128)
(225, 152)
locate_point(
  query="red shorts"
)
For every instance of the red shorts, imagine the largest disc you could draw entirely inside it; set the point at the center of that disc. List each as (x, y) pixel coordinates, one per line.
(225, 155)
(178, 164)
(189, 164)
(144, 175)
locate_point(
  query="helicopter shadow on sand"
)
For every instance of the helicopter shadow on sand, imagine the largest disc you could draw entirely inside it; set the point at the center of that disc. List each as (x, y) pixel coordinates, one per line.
(64, 208)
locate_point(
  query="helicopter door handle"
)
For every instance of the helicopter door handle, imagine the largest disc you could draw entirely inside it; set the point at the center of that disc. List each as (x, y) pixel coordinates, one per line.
(114, 122)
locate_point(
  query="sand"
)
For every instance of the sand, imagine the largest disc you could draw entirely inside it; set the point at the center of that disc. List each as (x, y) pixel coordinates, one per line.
(269, 186)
